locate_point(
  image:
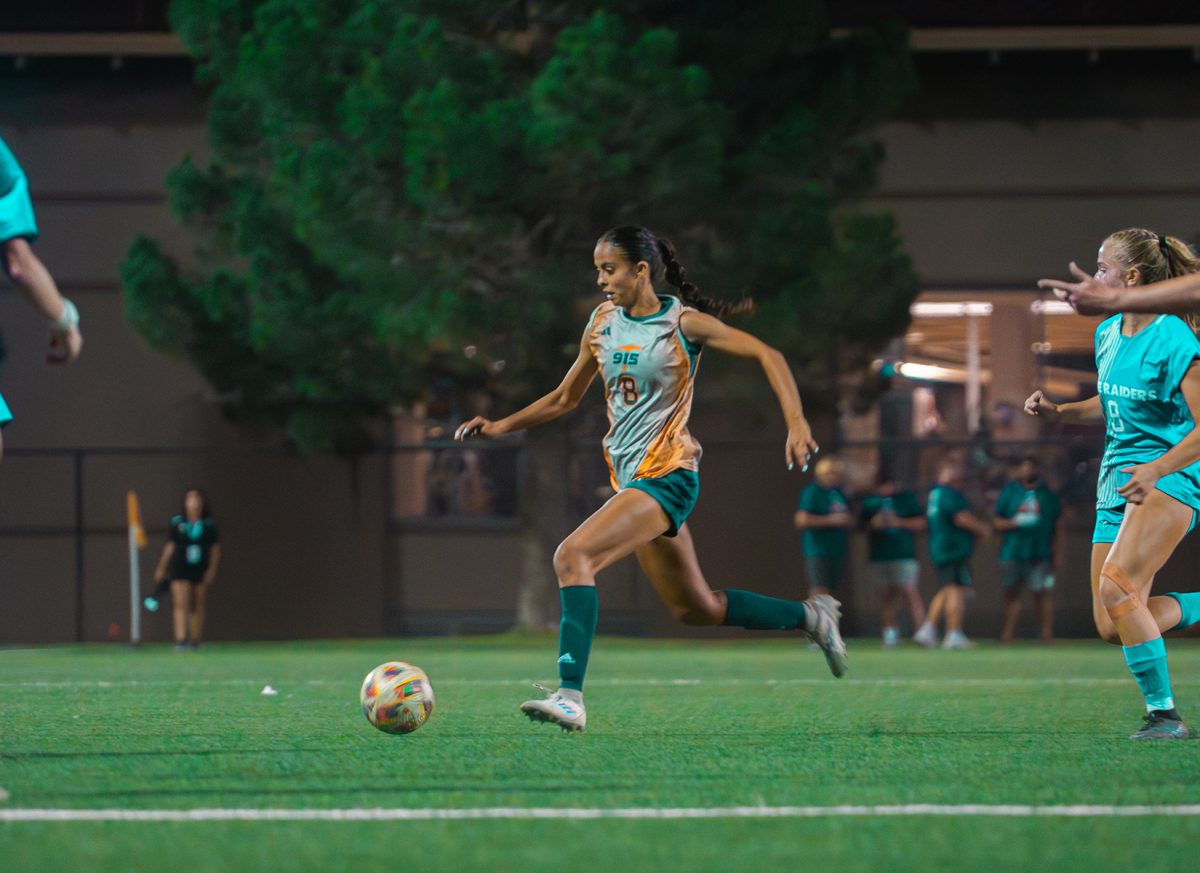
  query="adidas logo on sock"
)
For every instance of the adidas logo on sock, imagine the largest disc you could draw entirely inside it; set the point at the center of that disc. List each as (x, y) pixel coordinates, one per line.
(566, 659)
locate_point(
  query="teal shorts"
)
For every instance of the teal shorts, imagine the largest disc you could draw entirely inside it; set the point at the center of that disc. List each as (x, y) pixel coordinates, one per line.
(1108, 522)
(954, 573)
(16, 210)
(5, 414)
(676, 492)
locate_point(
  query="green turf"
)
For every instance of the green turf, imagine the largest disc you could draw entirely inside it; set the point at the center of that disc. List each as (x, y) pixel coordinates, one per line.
(758, 723)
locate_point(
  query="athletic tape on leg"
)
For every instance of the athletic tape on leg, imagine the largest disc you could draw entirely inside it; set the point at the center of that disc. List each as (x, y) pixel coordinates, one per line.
(1131, 601)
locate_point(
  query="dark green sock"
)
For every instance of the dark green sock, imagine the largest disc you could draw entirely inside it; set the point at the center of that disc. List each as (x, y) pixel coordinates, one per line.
(758, 612)
(580, 606)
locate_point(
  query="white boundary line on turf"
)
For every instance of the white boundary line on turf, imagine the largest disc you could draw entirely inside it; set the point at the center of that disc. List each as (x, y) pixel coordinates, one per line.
(509, 812)
(593, 683)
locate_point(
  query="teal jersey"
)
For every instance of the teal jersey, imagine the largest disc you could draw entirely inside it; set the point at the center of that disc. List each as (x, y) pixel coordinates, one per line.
(16, 210)
(1138, 378)
(1036, 511)
(826, 542)
(948, 543)
(891, 543)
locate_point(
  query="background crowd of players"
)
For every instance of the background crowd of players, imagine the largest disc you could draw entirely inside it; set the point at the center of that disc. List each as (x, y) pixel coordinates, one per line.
(1025, 516)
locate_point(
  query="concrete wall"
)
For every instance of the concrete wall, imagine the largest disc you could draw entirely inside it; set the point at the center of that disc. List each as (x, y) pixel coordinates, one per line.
(308, 549)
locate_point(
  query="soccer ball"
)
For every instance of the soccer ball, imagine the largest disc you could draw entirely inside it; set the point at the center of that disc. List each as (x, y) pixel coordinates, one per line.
(397, 697)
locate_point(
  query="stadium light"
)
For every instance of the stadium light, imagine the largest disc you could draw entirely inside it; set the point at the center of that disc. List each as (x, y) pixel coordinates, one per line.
(950, 310)
(1051, 307)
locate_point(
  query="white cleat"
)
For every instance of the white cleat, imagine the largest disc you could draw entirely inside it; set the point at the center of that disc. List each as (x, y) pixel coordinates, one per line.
(957, 640)
(558, 709)
(824, 614)
(926, 636)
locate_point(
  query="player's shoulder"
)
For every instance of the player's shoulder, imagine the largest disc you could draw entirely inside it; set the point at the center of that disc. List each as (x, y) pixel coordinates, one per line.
(176, 520)
(1178, 331)
(601, 315)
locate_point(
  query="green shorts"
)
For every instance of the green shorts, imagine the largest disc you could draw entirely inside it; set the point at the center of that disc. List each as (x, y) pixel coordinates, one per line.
(1037, 575)
(1108, 523)
(16, 210)
(825, 571)
(954, 573)
(676, 492)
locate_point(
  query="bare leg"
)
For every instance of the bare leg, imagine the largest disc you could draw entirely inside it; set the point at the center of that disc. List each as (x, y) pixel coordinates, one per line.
(916, 606)
(1149, 534)
(888, 612)
(181, 598)
(1044, 603)
(196, 617)
(1012, 608)
(955, 606)
(1164, 609)
(629, 520)
(937, 606)
(674, 572)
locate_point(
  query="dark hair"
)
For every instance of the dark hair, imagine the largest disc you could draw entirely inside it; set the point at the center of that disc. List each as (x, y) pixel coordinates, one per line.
(206, 510)
(640, 244)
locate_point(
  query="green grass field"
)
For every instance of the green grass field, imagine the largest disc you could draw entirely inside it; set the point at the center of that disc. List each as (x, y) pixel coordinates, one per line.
(671, 724)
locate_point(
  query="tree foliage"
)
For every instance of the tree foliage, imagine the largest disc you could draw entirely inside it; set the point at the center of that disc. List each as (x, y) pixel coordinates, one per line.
(392, 181)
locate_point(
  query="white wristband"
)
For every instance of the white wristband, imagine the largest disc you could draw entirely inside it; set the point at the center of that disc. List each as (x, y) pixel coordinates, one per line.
(69, 320)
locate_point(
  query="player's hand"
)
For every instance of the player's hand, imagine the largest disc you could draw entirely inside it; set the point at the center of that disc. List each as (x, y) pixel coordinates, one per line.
(1037, 404)
(65, 346)
(477, 427)
(1142, 478)
(1087, 294)
(800, 445)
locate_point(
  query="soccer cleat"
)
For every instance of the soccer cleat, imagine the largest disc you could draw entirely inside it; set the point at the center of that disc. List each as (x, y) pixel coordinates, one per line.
(957, 640)
(1159, 724)
(560, 710)
(823, 615)
(926, 636)
(151, 604)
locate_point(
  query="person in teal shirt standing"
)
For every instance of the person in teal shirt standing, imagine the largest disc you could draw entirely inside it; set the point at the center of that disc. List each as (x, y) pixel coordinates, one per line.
(18, 229)
(953, 529)
(891, 516)
(1026, 516)
(823, 515)
(1148, 492)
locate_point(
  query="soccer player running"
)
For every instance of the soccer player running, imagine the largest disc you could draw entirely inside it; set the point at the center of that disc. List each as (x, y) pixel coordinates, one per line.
(18, 228)
(1026, 516)
(1149, 486)
(646, 348)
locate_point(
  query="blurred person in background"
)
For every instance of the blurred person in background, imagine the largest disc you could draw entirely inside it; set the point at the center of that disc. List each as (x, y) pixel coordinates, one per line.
(823, 516)
(953, 529)
(187, 566)
(892, 516)
(1026, 516)
(1148, 491)
(18, 229)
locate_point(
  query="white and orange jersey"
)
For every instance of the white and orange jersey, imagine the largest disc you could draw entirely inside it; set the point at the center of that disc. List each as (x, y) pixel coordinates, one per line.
(649, 369)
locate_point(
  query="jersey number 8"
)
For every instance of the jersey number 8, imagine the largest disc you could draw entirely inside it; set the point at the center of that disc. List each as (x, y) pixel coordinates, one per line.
(628, 388)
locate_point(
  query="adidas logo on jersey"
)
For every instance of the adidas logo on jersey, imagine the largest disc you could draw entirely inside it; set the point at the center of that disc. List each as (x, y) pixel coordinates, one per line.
(606, 332)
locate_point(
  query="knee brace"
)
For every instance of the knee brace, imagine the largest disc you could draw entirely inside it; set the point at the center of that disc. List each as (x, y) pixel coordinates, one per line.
(1129, 602)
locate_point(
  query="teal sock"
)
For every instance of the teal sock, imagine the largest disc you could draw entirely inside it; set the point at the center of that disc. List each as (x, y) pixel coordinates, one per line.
(758, 612)
(1148, 663)
(580, 608)
(1189, 607)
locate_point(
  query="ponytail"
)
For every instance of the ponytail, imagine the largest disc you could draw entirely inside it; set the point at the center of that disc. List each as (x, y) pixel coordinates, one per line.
(639, 244)
(1156, 257)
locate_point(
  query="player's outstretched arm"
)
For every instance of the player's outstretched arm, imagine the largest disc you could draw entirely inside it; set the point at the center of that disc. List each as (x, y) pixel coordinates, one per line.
(1080, 412)
(707, 330)
(30, 275)
(1184, 453)
(1089, 296)
(558, 402)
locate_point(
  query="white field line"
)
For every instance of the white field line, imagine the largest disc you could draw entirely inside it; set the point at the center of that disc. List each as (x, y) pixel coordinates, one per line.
(1032, 681)
(508, 812)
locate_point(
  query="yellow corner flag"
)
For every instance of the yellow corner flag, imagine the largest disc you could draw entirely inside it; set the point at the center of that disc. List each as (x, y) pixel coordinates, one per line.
(135, 519)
